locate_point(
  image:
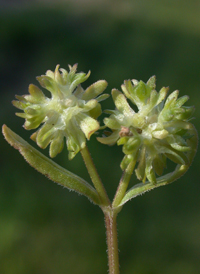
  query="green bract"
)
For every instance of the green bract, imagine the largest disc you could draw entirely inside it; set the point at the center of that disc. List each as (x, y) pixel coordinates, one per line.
(159, 130)
(70, 112)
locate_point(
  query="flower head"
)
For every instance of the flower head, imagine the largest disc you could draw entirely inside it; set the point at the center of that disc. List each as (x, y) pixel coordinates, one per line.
(157, 131)
(70, 112)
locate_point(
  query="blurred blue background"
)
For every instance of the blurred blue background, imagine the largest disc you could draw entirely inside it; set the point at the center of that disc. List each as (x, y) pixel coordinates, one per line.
(43, 227)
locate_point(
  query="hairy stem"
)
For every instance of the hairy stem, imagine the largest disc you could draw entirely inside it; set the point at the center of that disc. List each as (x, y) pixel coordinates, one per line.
(112, 243)
(121, 190)
(95, 177)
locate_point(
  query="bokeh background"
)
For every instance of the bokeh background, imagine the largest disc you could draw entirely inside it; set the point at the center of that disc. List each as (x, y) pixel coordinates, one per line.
(47, 229)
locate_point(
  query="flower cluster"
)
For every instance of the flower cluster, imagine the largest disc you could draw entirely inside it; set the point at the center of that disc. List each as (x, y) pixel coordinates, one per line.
(70, 112)
(159, 130)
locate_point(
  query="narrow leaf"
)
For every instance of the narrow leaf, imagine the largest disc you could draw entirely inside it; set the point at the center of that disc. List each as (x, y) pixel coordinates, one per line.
(141, 188)
(49, 168)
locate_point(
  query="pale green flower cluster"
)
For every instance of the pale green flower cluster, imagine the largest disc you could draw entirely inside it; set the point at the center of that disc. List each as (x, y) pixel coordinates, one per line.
(70, 112)
(158, 130)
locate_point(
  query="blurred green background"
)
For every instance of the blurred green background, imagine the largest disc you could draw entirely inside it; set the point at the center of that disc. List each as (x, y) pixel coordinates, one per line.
(43, 227)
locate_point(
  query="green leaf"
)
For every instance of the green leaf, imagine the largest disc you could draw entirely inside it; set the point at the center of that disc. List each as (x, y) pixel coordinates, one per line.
(142, 93)
(49, 168)
(36, 95)
(121, 103)
(56, 145)
(131, 145)
(141, 188)
(112, 122)
(47, 83)
(78, 79)
(162, 94)
(152, 82)
(94, 90)
(102, 97)
(159, 163)
(87, 124)
(110, 140)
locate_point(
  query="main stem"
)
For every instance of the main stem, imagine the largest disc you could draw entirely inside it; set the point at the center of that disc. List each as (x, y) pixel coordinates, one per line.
(112, 243)
(109, 213)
